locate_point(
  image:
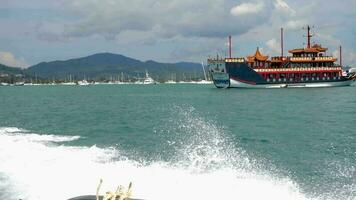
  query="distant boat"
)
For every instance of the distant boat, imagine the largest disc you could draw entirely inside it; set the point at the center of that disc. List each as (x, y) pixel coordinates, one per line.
(21, 83)
(171, 81)
(32, 84)
(83, 82)
(70, 81)
(146, 81)
(4, 84)
(203, 82)
(185, 82)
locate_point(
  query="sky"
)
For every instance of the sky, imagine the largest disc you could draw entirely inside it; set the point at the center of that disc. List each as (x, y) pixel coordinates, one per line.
(34, 31)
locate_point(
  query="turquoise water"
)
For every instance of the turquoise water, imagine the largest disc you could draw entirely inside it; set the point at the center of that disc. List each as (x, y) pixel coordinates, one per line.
(193, 141)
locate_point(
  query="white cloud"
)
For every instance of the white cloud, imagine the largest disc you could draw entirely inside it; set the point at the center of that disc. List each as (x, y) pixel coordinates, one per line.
(273, 46)
(350, 58)
(160, 18)
(329, 39)
(283, 6)
(9, 59)
(177, 25)
(295, 24)
(247, 8)
(335, 53)
(160, 28)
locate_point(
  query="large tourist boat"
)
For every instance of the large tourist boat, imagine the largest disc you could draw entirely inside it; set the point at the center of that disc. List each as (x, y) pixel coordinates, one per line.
(306, 67)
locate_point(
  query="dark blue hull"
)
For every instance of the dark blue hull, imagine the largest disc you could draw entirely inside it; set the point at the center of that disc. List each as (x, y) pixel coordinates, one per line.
(239, 74)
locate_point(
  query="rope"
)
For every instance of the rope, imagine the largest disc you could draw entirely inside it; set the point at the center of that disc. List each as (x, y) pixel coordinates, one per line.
(120, 193)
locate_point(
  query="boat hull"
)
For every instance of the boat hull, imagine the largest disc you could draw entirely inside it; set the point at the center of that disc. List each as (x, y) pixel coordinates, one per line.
(238, 84)
(240, 75)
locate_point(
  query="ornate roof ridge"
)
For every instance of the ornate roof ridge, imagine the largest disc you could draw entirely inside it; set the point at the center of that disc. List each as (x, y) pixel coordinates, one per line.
(258, 56)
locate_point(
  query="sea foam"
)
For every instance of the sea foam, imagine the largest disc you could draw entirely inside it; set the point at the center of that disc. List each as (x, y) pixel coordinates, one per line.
(205, 166)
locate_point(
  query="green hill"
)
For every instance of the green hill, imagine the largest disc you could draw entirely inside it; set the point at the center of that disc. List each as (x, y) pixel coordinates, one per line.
(106, 65)
(11, 74)
(10, 70)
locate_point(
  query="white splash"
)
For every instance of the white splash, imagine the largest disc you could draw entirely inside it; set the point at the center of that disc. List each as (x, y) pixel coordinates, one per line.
(18, 134)
(33, 167)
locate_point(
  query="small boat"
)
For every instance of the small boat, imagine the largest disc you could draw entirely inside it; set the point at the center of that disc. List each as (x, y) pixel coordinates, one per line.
(203, 82)
(4, 84)
(148, 79)
(21, 83)
(170, 82)
(68, 83)
(83, 82)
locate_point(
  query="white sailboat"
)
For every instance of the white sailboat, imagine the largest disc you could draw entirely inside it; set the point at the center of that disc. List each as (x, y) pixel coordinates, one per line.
(171, 81)
(83, 82)
(4, 84)
(71, 82)
(19, 83)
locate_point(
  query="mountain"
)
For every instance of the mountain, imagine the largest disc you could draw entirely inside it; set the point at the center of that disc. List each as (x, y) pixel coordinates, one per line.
(106, 65)
(9, 70)
(12, 74)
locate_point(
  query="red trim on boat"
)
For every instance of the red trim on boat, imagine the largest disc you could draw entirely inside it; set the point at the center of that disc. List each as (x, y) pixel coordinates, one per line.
(243, 81)
(298, 72)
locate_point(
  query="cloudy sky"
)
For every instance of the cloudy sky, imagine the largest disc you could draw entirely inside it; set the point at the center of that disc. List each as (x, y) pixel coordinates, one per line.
(33, 31)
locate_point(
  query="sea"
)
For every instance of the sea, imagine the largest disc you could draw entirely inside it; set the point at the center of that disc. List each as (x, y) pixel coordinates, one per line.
(178, 141)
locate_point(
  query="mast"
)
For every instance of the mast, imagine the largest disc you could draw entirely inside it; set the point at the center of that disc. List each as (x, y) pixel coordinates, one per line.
(230, 51)
(282, 43)
(340, 55)
(308, 36)
(202, 64)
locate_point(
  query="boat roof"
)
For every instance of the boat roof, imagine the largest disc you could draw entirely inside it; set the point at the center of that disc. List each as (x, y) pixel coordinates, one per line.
(316, 48)
(258, 56)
